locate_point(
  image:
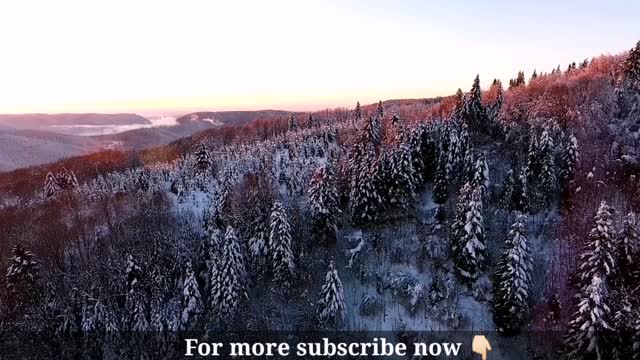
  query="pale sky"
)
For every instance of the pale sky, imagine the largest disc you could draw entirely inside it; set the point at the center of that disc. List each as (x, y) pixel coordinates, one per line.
(140, 55)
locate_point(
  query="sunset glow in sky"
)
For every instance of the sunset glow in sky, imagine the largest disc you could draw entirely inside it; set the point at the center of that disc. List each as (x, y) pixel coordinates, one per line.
(141, 56)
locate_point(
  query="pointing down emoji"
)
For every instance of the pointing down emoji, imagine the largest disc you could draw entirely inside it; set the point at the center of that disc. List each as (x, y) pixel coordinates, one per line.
(480, 345)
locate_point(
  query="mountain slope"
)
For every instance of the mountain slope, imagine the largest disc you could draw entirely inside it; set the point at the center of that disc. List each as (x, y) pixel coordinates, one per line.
(29, 147)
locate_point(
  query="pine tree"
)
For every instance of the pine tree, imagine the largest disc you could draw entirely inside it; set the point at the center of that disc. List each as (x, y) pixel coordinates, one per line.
(469, 258)
(403, 182)
(533, 167)
(380, 111)
(513, 280)
(67, 180)
(191, 300)
(293, 123)
(441, 186)
(139, 322)
(475, 109)
(632, 68)
(22, 274)
(515, 191)
(569, 160)
(257, 229)
(373, 130)
(587, 336)
(635, 339)
(459, 109)
(135, 302)
(229, 289)
(133, 274)
(323, 204)
(628, 251)
(496, 105)
(547, 170)
(332, 308)
(622, 322)
(457, 233)
(554, 307)
(534, 75)
(280, 246)
(51, 186)
(203, 160)
(481, 175)
(520, 79)
(357, 113)
(142, 181)
(365, 201)
(598, 257)
(311, 122)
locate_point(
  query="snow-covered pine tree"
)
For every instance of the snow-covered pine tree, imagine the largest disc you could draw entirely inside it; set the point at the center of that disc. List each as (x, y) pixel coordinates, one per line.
(623, 322)
(569, 160)
(139, 322)
(632, 68)
(598, 257)
(441, 186)
(587, 337)
(475, 110)
(534, 163)
(547, 170)
(331, 307)
(554, 307)
(628, 251)
(403, 182)
(470, 256)
(520, 199)
(457, 233)
(459, 109)
(22, 273)
(481, 175)
(229, 288)
(310, 122)
(280, 246)
(203, 162)
(136, 317)
(373, 130)
(51, 186)
(323, 204)
(380, 111)
(509, 187)
(191, 299)
(293, 123)
(497, 103)
(512, 280)
(365, 201)
(416, 141)
(357, 113)
(133, 274)
(142, 181)
(635, 338)
(67, 180)
(214, 261)
(257, 228)
(515, 192)
(468, 168)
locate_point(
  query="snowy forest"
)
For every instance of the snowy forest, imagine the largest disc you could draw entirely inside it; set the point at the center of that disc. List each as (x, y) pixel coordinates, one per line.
(508, 209)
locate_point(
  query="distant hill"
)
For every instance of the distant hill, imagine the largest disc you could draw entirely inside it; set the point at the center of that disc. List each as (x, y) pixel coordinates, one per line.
(34, 139)
(68, 123)
(230, 117)
(21, 148)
